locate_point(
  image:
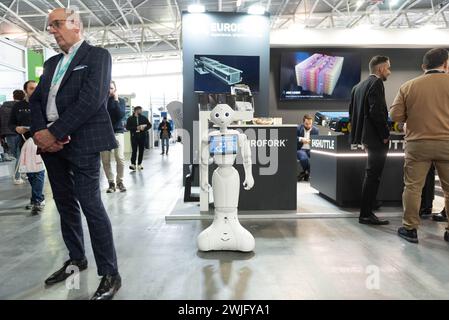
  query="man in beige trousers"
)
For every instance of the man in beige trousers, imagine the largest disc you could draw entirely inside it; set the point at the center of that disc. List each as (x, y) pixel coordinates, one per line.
(117, 111)
(423, 104)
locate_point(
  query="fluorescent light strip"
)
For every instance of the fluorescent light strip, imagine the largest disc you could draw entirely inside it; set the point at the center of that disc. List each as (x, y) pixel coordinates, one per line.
(256, 9)
(196, 8)
(354, 155)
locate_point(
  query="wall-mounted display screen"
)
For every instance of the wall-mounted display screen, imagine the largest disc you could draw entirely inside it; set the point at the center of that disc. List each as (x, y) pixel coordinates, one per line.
(318, 75)
(217, 73)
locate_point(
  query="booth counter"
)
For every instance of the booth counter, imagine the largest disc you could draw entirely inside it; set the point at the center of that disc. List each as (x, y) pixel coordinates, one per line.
(338, 169)
(273, 153)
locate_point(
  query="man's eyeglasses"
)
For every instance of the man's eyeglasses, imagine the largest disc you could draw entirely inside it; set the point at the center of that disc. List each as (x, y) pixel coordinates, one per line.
(56, 24)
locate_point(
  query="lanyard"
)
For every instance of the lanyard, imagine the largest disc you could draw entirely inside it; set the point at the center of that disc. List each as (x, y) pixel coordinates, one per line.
(61, 70)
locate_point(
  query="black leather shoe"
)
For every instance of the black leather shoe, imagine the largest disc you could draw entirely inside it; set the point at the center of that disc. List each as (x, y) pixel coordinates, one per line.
(373, 220)
(409, 235)
(440, 217)
(446, 236)
(425, 212)
(61, 274)
(109, 285)
(307, 176)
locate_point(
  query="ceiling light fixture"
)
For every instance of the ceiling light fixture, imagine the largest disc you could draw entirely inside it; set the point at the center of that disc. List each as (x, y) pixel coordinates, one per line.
(393, 2)
(196, 8)
(429, 26)
(256, 9)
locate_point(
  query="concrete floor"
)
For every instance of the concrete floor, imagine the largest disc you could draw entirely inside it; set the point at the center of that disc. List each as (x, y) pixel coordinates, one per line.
(333, 258)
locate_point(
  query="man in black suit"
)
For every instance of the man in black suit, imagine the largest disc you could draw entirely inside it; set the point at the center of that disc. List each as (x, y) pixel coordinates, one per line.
(71, 126)
(369, 126)
(304, 133)
(137, 125)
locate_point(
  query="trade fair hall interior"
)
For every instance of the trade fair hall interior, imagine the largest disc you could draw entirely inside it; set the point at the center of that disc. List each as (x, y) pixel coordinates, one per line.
(224, 149)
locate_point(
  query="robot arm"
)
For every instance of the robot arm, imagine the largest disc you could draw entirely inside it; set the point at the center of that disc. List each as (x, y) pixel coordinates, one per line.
(247, 164)
(205, 161)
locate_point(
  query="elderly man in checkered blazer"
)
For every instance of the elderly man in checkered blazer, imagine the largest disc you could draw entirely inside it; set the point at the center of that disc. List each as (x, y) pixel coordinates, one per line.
(71, 126)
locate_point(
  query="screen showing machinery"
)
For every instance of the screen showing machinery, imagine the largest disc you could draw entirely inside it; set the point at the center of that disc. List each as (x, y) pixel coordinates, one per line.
(216, 74)
(318, 75)
(223, 144)
(338, 121)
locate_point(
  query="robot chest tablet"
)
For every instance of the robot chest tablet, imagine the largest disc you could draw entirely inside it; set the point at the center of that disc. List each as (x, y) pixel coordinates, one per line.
(223, 145)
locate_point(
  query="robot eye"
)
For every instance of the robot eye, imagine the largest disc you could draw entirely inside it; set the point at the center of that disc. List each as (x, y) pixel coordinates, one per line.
(217, 115)
(227, 114)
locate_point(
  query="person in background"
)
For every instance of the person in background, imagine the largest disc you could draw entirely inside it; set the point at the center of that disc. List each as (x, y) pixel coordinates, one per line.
(165, 134)
(116, 110)
(71, 126)
(304, 132)
(11, 137)
(368, 116)
(422, 103)
(138, 125)
(2, 152)
(20, 121)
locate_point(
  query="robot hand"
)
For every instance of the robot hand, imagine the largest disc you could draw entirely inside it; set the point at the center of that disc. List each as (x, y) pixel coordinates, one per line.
(205, 186)
(248, 183)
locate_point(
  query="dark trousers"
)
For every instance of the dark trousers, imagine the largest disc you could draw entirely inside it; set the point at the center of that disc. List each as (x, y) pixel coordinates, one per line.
(36, 180)
(75, 182)
(137, 142)
(428, 192)
(14, 149)
(373, 172)
(165, 144)
(303, 157)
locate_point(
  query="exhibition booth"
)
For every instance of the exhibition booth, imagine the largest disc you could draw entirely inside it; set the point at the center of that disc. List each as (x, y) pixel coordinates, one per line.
(275, 76)
(224, 50)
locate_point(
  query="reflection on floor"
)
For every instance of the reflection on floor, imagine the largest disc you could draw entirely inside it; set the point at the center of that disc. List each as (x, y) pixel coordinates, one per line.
(310, 205)
(294, 258)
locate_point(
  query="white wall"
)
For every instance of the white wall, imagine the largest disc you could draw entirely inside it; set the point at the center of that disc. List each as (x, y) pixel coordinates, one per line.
(13, 68)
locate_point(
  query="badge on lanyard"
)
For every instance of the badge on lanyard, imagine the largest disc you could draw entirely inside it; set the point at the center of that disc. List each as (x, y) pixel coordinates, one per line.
(62, 69)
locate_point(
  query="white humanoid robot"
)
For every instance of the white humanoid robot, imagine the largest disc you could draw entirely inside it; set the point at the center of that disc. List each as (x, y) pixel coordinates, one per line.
(221, 146)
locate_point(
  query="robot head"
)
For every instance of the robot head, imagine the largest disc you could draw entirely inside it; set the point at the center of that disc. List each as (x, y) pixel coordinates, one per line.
(222, 115)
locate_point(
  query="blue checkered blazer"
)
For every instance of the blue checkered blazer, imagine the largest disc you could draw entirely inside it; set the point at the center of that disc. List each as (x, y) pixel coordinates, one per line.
(81, 101)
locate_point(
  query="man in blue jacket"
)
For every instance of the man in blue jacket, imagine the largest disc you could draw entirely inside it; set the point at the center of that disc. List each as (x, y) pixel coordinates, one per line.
(116, 110)
(71, 126)
(304, 133)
